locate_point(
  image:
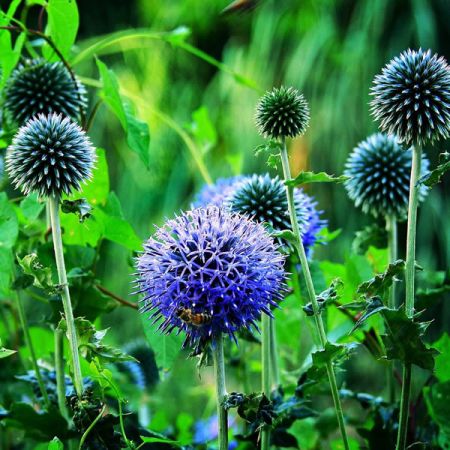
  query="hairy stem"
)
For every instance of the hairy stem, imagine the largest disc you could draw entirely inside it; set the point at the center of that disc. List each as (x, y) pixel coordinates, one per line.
(59, 368)
(311, 293)
(409, 286)
(65, 295)
(29, 344)
(265, 378)
(221, 392)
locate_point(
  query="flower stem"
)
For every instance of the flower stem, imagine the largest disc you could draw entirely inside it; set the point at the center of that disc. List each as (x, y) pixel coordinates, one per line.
(59, 368)
(265, 379)
(219, 370)
(391, 228)
(65, 295)
(409, 286)
(311, 294)
(29, 344)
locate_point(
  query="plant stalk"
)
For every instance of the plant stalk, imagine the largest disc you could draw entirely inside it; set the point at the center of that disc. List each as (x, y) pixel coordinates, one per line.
(65, 294)
(59, 368)
(409, 287)
(29, 344)
(221, 392)
(311, 293)
(265, 376)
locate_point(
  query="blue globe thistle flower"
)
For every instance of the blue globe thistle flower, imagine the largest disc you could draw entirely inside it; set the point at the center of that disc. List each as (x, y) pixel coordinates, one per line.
(215, 194)
(379, 169)
(50, 155)
(282, 112)
(263, 199)
(209, 272)
(412, 97)
(40, 87)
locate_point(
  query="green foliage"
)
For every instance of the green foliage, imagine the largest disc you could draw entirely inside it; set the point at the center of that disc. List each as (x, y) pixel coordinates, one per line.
(9, 227)
(436, 397)
(55, 444)
(326, 297)
(80, 207)
(372, 235)
(42, 276)
(312, 177)
(4, 352)
(434, 177)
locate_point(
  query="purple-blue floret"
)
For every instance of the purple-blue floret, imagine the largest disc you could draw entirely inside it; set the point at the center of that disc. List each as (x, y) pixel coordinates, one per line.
(213, 263)
(215, 194)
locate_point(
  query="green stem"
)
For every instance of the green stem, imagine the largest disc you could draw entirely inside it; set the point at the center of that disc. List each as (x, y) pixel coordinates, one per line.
(65, 295)
(59, 368)
(29, 344)
(311, 293)
(391, 228)
(221, 392)
(90, 427)
(274, 366)
(265, 378)
(409, 286)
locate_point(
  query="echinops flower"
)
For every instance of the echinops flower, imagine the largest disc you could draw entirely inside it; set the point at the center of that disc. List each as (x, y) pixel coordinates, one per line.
(209, 272)
(40, 87)
(50, 155)
(215, 194)
(412, 97)
(379, 169)
(263, 199)
(282, 112)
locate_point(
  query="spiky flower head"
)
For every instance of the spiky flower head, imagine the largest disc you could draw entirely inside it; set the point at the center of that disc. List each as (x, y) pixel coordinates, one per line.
(379, 169)
(40, 87)
(412, 97)
(50, 155)
(263, 199)
(215, 194)
(209, 272)
(282, 112)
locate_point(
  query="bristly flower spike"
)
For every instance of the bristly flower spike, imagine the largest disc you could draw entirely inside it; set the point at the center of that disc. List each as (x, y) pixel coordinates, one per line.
(411, 97)
(50, 155)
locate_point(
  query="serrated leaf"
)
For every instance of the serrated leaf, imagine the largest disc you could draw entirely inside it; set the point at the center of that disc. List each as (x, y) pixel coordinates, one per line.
(434, 177)
(371, 306)
(372, 235)
(80, 207)
(42, 276)
(313, 177)
(9, 226)
(404, 340)
(326, 297)
(62, 26)
(383, 281)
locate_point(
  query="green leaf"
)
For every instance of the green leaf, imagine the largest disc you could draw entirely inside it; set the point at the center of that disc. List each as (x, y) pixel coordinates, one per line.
(160, 440)
(166, 347)
(437, 400)
(326, 297)
(62, 27)
(9, 54)
(442, 361)
(79, 207)
(55, 444)
(42, 276)
(404, 340)
(286, 235)
(372, 235)
(6, 272)
(330, 353)
(32, 207)
(9, 226)
(325, 235)
(4, 352)
(371, 306)
(137, 131)
(202, 129)
(312, 177)
(434, 177)
(379, 284)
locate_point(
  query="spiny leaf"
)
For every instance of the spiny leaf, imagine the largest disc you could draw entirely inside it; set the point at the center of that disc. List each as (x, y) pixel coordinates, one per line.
(312, 177)
(42, 276)
(371, 306)
(80, 207)
(434, 177)
(383, 281)
(326, 297)
(404, 340)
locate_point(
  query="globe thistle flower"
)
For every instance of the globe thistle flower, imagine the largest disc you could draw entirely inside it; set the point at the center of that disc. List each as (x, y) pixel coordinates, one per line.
(215, 194)
(263, 199)
(412, 97)
(282, 112)
(50, 155)
(37, 86)
(379, 170)
(209, 272)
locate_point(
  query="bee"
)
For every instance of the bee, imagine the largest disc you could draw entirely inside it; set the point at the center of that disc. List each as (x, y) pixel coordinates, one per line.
(240, 6)
(191, 318)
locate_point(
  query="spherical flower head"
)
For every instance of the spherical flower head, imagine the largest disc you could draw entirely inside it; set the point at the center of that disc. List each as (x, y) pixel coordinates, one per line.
(50, 155)
(263, 198)
(412, 97)
(39, 87)
(215, 194)
(282, 112)
(379, 169)
(209, 272)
